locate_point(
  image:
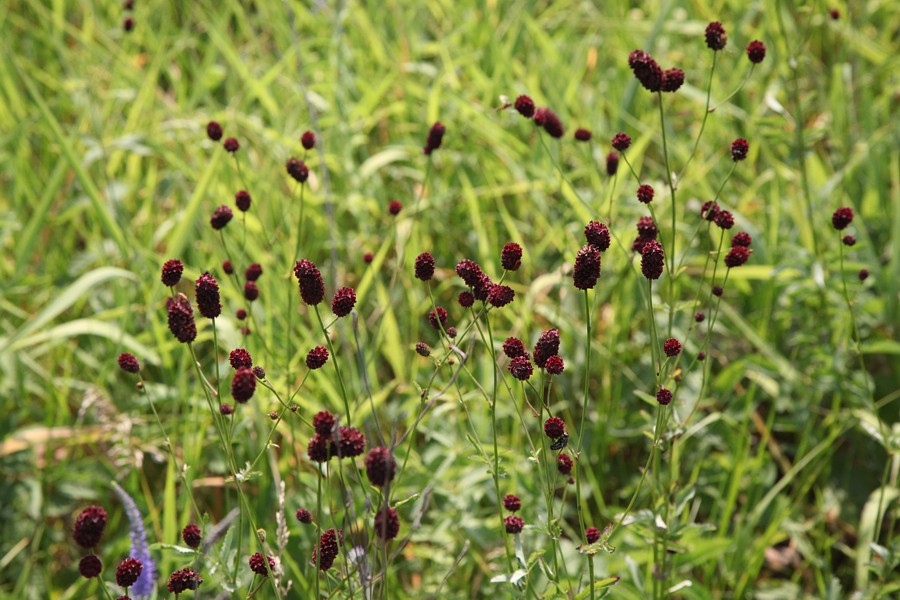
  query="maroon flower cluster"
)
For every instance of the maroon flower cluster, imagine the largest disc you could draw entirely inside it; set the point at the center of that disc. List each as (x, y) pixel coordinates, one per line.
(672, 347)
(652, 260)
(240, 358)
(756, 51)
(128, 572)
(716, 38)
(737, 256)
(621, 142)
(739, 148)
(185, 579)
(297, 169)
(424, 267)
(312, 288)
(220, 217)
(328, 549)
(842, 217)
(437, 318)
(317, 357)
(89, 526)
(597, 235)
(521, 368)
(243, 384)
(380, 466)
(207, 290)
(525, 106)
(343, 302)
(181, 319)
(303, 516)
(645, 194)
(500, 295)
(191, 535)
(554, 428)
(128, 363)
(647, 232)
(171, 272)
(646, 70)
(512, 503)
(258, 564)
(587, 267)
(546, 118)
(387, 523)
(513, 524)
(612, 163)
(231, 145)
(664, 396)
(435, 137)
(308, 140)
(511, 256)
(214, 131)
(546, 346)
(90, 566)
(582, 135)
(242, 200)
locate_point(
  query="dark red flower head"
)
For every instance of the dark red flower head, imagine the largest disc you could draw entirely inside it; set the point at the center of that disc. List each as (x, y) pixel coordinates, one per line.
(191, 535)
(554, 428)
(207, 290)
(583, 135)
(717, 290)
(466, 299)
(258, 564)
(612, 163)
(128, 363)
(549, 120)
(646, 70)
(513, 524)
(226, 409)
(716, 38)
(228, 267)
(394, 207)
(863, 274)
(646, 228)
(317, 357)
(231, 145)
(621, 142)
(128, 572)
(343, 302)
(587, 268)
(737, 256)
(546, 346)
(319, 448)
(592, 534)
(663, 396)
(220, 217)
(380, 466)
(741, 238)
(312, 288)
(308, 140)
(597, 235)
(422, 349)
(756, 51)
(709, 210)
(128, 24)
(323, 422)
(351, 442)
(500, 295)
(672, 80)
(251, 291)
(214, 131)
(90, 566)
(435, 137)
(387, 524)
(304, 516)
(842, 217)
(514, 347)
(89, 526)
(469, 271)
(672, 347)
(521, 368)
(724, 219)
(240, 358)
(652, 260)
(645, 194)
(243, 384)
(511, 256)
(368, 257)
(525, 106)
(835, 14)
(242, 200)
(849, 240)
(512, 503)
(297, 169)
(253, 272)
(328, 549)
(739, 148)
(435, 315)
(185, 579)
(424, 267)
(181, 319)
(699, 316)
(555, 365)
(171, 272)
(259, 372)
(564, 464)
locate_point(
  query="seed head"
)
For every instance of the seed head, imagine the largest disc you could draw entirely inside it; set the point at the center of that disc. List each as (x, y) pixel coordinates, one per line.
(466, 299)
(612, 163)
(128, 572)
(756, 51)
(319, 449)
(90, 566)
(308, 140)
(863, 274)
(739, 148)
(328, 549)
(240, 358)
(312, 288)
(251, 291)
(260, 374)
(181, 319)
(304, 516)
(482, 288)
(511, 256)
(554, 428)
(214, 131)
(724, 219)
(435, 137)
(514, 347)
(469, 271)
(709, 210)
(89, 526)
(323, 423)
(226, 409)
(380, 466)
(646, 70)
(171, 272)
(564, 464)
(220, 217)
(351, 442)
(422, 349)
(621, 142)
(652, 260)
(742, 238)
(663, 396)
(699, 316)
(297, 169)
(242, 200)
(592, 534)
(207, 290)
(394, 207)
(587, 268)
(512, 503)
(228, 267)
(849, 240)
(185, 579)
(243, 384)
(645, 194)
(842, 217)
(513, 524)
(387, 524)
(672, 80)
(317, 357)
(672, 347)
(555, 365)
(546, 346)
(525, 106)
(191, 535)
(597, 235)
(549, 120)
(520, 368)
(128, 363)
(583, 135)
(231, 145)
(737, 256)
(716, 38)
(438, 314)
(501, 295)
(717, 290)
(424, 267)
(258, 564)
(343, 302)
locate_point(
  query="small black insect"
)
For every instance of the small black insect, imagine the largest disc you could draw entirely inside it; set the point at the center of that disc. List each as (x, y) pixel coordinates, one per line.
(560, 442)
